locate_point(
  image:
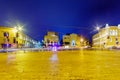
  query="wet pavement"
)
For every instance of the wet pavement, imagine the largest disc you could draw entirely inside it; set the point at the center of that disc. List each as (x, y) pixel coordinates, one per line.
(62, 65)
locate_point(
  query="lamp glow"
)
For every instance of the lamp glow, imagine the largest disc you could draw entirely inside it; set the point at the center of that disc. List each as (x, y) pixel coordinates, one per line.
(20, 28)
(81, 40)
(98, 28)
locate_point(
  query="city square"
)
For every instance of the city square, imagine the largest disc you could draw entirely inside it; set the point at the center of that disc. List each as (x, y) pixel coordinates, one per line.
(59, 40)
(60, 65)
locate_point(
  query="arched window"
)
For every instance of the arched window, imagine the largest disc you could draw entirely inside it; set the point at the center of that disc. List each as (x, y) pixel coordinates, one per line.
(110, 32)
(116, 32)
(73, 42)
(14, 40)
(6, 34)
(113, 33)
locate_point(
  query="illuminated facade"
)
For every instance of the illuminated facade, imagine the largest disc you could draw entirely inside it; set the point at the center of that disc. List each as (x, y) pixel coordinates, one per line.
(107, 37)
(10, 37)
(74, 40)
(51, 38)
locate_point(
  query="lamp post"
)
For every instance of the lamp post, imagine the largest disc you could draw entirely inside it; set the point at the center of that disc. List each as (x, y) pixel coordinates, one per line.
(81, 40)
(98, 29)
(17, 30)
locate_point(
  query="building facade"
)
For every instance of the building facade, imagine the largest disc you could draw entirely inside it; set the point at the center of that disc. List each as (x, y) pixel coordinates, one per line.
(10, 37)
(107, 37)
(51, 38)
(74, 40)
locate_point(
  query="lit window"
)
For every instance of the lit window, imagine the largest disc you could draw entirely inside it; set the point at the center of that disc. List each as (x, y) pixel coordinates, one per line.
(110, 32)
(110, 39)
(113, 32)
(106, 33)
(116, 32)
(73, 42)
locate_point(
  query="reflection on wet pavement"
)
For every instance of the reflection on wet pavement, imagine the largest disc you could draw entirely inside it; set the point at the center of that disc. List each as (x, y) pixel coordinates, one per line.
(11, 57)
(61, 65)
(54, 56)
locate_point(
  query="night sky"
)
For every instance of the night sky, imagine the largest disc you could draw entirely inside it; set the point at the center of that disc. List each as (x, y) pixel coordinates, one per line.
(62, 16)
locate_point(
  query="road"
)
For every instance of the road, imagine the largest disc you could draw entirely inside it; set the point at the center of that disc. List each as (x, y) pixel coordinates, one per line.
(61, 65)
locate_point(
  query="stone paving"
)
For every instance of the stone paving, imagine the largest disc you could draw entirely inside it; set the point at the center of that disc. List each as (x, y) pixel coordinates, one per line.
(62, 65)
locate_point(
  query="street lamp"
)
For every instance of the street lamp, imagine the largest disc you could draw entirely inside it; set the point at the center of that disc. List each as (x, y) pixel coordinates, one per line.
(16, 31)
(81, 41)
(98, 29)
(20, 28)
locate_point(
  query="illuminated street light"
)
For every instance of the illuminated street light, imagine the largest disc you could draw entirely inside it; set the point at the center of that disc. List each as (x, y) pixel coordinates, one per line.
(97, 28)
(81, 42)
(17, 29)
(20, 28)
(81, 39)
